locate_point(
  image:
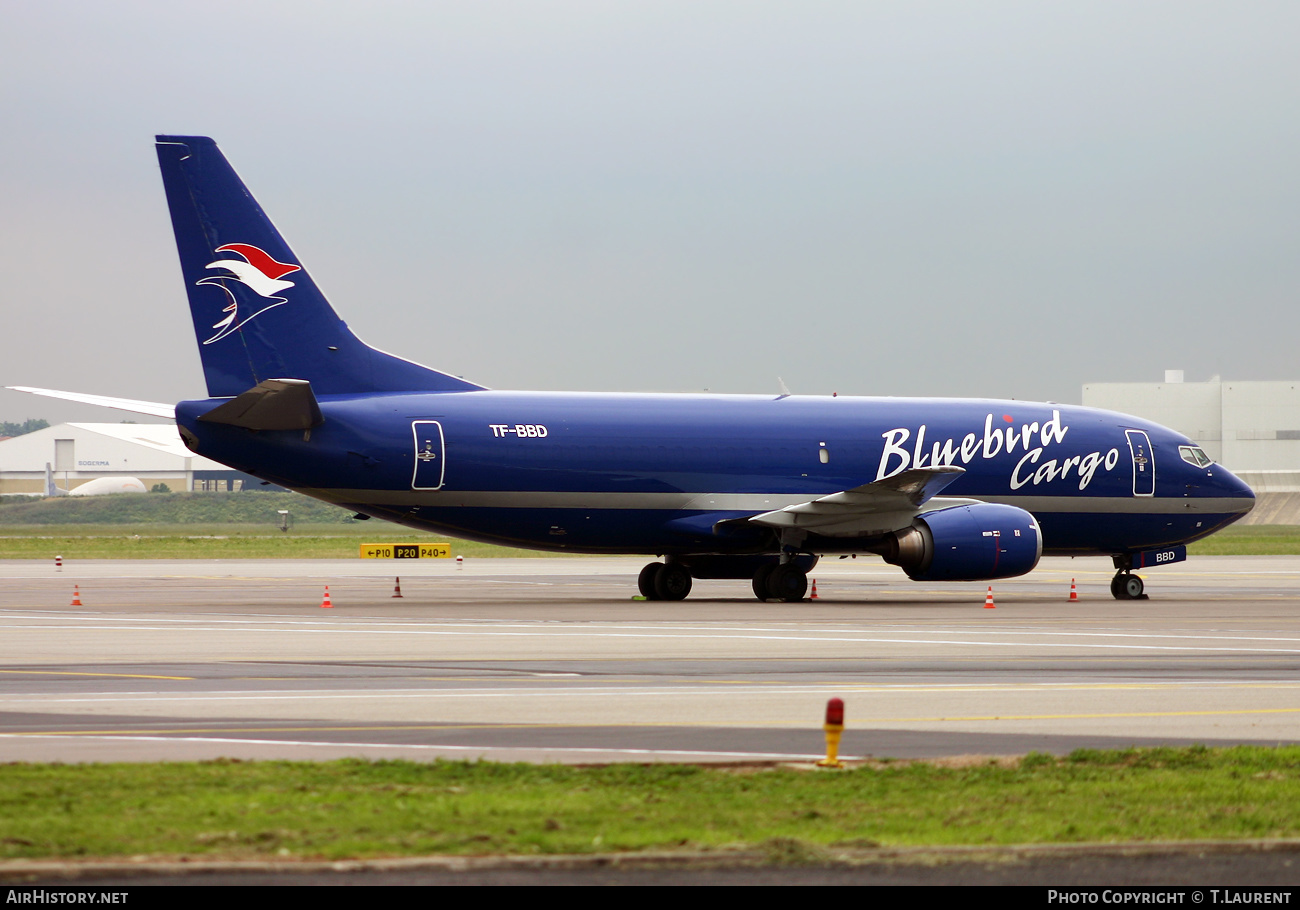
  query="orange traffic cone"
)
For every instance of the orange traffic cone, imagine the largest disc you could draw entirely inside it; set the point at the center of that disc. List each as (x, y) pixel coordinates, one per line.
(397, 587)
(1074, 595)
(76, 596)
(814, 591)
(988, 600)
(325, 604)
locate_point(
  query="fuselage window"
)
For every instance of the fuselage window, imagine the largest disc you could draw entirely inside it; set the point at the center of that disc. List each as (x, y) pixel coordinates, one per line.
(1195, 455)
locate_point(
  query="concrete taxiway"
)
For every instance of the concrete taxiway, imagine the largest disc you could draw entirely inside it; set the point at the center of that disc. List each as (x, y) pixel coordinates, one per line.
(551, 660)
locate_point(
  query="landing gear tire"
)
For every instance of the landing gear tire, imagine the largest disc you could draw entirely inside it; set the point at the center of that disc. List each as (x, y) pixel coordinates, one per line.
(1126, 586)
(787, 583)
(760, 581)
(645, 582)
(672, 582)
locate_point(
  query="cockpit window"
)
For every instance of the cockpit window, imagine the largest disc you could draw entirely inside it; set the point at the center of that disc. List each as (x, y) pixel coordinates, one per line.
(1195, 455)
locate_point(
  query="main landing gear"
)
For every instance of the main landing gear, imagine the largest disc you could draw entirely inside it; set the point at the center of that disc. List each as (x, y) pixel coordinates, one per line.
(786, 582)
(664, 581)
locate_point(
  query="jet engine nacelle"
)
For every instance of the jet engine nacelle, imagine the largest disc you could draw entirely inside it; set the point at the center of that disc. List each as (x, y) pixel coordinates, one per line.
(968, 543)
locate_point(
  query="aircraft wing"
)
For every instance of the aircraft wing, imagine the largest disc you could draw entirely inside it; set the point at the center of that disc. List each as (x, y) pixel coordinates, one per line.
(152, 408)
(873, 508)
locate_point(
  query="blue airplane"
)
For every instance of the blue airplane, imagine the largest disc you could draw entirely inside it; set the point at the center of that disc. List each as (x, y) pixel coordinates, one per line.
(719, 486)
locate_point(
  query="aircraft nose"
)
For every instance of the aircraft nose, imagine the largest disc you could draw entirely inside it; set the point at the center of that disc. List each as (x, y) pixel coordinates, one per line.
(1228, 485)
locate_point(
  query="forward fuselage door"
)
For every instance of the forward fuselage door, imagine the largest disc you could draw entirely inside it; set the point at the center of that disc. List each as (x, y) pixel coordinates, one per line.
(1144, 463)
(430, 453)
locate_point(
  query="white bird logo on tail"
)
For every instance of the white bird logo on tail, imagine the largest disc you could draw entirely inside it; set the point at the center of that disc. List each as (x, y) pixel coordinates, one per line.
(258, 271)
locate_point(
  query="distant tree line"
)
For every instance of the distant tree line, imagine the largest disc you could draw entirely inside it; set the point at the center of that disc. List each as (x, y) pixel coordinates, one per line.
(31, 425)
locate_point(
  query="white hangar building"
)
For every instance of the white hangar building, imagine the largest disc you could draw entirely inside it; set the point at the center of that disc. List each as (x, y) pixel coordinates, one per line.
(82, 452)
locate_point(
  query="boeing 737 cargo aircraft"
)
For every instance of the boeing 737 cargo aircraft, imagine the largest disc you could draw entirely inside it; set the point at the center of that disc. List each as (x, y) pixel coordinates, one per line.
(719, 486)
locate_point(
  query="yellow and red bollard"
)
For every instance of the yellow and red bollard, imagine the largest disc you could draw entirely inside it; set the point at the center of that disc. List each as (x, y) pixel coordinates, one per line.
(834, 727)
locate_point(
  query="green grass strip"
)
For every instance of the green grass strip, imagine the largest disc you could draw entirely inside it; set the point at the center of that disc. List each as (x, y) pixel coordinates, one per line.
(223, 542)
(341, 541)
(1250, 540)
(341, 809)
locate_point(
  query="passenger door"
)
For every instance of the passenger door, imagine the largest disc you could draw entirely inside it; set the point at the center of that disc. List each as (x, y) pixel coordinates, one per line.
(1144, 464)
(430, 455)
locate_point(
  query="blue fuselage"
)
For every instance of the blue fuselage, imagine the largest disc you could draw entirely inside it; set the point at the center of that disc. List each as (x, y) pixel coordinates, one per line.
(647, 473)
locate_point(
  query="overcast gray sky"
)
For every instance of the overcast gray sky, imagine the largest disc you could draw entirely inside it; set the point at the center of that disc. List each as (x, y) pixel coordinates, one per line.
(914, 198)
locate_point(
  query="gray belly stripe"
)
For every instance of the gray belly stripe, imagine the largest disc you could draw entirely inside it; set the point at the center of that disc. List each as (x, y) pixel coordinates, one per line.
(753, 502)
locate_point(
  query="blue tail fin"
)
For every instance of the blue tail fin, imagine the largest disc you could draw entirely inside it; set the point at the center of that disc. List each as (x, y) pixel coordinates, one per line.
(257, 313)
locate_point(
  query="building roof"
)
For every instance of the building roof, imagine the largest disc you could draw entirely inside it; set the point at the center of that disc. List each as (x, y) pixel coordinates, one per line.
(161, 437)
(102, 448)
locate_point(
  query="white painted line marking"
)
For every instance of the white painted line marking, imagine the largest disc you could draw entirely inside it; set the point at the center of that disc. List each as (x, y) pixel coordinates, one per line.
(581, 750)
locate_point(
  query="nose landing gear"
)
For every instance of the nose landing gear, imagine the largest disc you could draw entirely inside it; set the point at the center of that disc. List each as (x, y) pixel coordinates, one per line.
(1126, 586)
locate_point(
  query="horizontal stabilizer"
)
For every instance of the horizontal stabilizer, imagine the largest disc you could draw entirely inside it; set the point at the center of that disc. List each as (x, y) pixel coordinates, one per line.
(273, 404)
(152, 408)
(873, 508)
